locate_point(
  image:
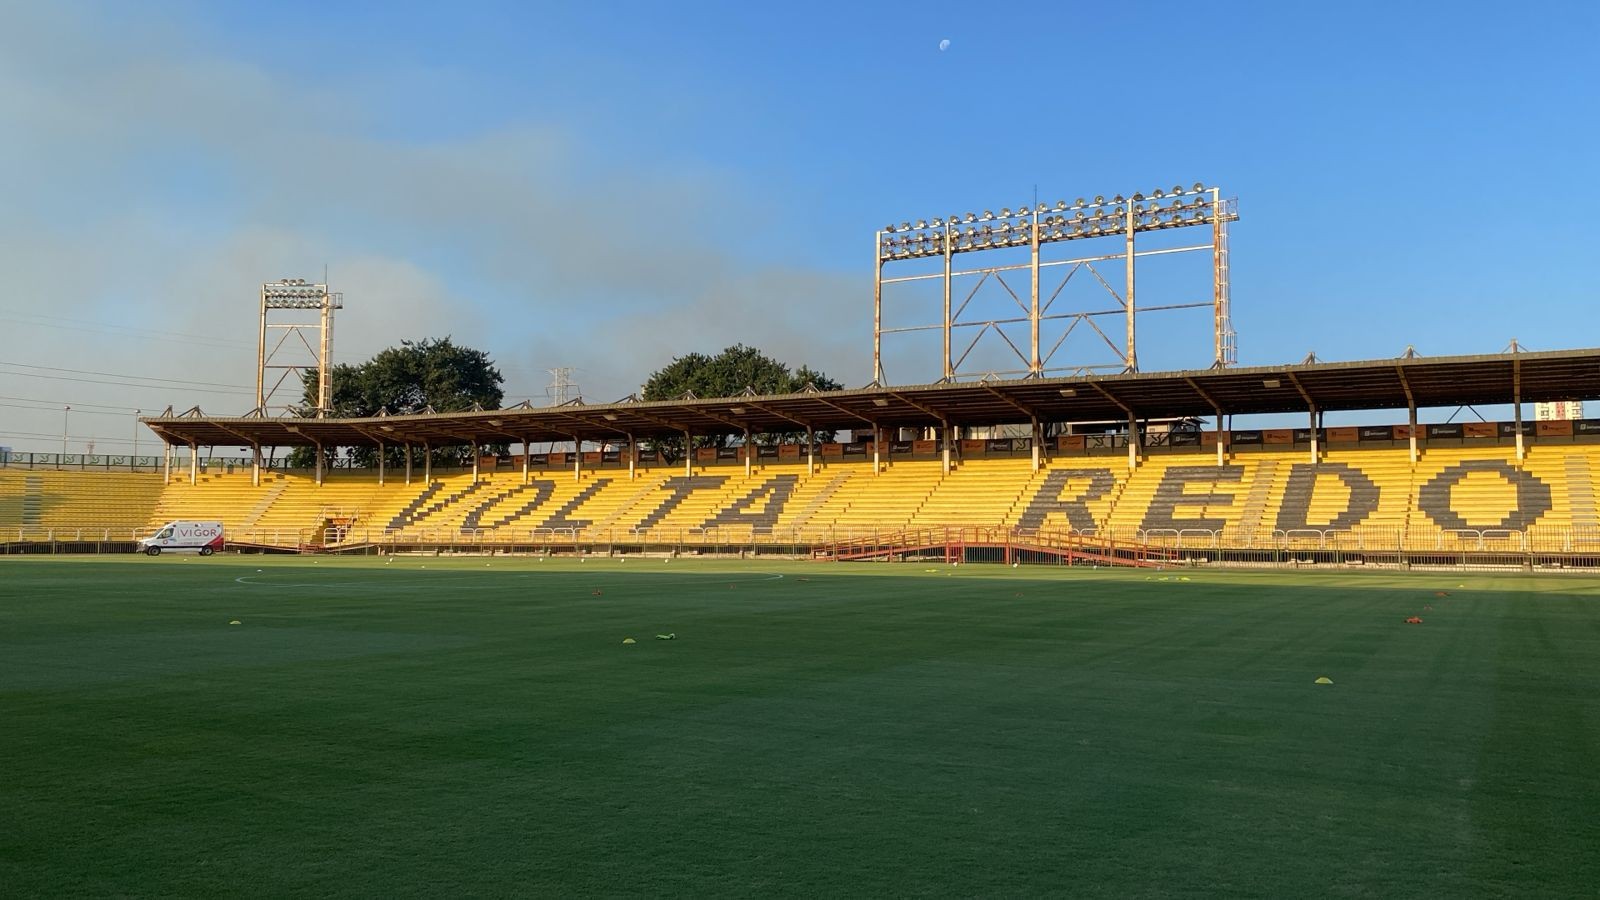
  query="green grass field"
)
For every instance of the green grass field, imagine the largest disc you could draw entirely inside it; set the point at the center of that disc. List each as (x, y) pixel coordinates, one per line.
(439, 727)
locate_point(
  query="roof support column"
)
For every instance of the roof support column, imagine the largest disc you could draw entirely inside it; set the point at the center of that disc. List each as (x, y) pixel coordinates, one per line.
(1412, 418)
(255, 465)
(194, 463)
(319, 465)
(527, 451)
(1133, 442)
(811, 450)
(1038, 438)
(1315, 456)
(427, 463)
(633, 457)
(380, 464)
(877, 460)
(946, 443)
(577, 458)
(408, 462)
(1516, 400)
(474, 460)
(688, 453)
(747, 449)
(166, 461)
(1222, 440)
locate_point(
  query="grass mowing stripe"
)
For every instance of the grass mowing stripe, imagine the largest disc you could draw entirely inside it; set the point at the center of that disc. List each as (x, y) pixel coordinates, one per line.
(868, 729)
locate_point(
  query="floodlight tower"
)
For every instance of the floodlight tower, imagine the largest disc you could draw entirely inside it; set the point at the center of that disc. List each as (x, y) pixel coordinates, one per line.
(293, 299)
(1034, 227)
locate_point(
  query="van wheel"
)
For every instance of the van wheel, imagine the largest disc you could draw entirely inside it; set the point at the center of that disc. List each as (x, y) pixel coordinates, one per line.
(205, 551)
(153, 551)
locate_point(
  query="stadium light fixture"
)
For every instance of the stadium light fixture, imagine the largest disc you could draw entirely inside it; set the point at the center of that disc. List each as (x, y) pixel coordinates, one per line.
(736, 410)
(1270, 382)
(1069, 392)
(610, 417)
(880, 402)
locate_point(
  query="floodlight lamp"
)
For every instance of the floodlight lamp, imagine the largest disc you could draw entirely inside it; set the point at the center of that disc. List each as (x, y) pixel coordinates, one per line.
(1099, 199)
(1005, 212)
(1198, 187)
(1117, 199)
(1043, 207)
(1157, 193)
(987, 215)
(1080, 204)
(889, 228)
(970, 218)
(1061, 205)
(938, 223)
(1138, 197)
(921, 224)
(1177, 189)
(905, 226)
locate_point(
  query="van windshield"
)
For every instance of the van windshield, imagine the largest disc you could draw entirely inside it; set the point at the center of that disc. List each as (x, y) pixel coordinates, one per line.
(165, 533)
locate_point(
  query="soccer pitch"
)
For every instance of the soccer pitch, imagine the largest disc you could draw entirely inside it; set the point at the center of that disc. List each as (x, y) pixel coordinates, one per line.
(432, 727)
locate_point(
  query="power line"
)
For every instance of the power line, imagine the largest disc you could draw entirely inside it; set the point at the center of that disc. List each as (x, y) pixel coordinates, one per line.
(59, 407)
(72, 403)
(242, 387)
(120, 330)
(123, 384)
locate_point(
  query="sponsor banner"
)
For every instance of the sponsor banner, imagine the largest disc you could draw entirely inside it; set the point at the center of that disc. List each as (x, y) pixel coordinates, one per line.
(1069, 442)
(538, 459)
(557, 459)
(727, 452)
(1000, 445)
(1444, 431)
(925, 446)
(1208, 438)
(1403, 432)
(855, 448)
(832, 450)
(788, 451)
(488, 462)
(649, 456)
(1377, 433)
(591, 457)
(1480, 430)
(1509, 429)
(1344, 435)
(507, 461)
(611, 456)
(1184, 439)
(705, 454)
(1554, 428)
(972, 447)
(1303, 435)
(1244, 437)
(1586, 426)
(898, 448)
(1278, 436)
(766, 451)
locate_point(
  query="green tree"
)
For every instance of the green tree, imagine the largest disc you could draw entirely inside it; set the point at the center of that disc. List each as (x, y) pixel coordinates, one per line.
(410, 378)
(734, 371)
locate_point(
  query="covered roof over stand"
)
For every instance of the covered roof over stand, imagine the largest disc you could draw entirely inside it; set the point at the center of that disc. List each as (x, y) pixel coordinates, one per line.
(1369, 384)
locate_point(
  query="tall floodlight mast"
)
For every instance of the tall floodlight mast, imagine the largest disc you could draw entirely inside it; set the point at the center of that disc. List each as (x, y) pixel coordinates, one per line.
(1033, 227)
(302, 345)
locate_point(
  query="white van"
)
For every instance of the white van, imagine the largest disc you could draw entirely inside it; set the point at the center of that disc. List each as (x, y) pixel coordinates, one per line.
(204, 538)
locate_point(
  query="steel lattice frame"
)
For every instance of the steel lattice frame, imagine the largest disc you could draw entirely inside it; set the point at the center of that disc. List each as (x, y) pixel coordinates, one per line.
(1033, 228)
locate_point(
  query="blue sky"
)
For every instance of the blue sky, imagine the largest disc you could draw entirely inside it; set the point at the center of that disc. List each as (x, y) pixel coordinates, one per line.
(606, 187)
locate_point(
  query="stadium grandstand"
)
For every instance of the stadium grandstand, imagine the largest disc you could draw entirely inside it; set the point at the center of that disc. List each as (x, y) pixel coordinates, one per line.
(912, 482)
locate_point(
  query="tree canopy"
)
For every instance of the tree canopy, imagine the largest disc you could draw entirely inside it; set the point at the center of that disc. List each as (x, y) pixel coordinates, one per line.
(732, 372)
(410, 378)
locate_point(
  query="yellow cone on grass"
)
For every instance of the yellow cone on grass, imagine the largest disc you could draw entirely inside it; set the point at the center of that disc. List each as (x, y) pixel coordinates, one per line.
(629, 641)
(234, 622)
(1324, 680)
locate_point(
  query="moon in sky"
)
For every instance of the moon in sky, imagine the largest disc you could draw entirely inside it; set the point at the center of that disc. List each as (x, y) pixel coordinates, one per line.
(944, 44)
